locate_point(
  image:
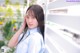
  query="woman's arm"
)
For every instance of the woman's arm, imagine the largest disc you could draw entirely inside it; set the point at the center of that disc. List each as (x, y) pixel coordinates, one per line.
(14, 40)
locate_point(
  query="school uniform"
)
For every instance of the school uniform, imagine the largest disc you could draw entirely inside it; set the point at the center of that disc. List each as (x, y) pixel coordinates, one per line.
(32, 42)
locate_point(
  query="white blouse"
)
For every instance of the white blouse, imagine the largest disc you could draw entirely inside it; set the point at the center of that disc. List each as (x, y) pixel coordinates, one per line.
(32, 42)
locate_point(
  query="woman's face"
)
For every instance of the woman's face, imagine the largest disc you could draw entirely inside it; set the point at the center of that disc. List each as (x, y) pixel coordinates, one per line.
(31, 20)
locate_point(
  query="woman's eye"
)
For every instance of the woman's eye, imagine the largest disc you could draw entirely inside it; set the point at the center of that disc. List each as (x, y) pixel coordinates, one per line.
(33, 17)
(27, 17)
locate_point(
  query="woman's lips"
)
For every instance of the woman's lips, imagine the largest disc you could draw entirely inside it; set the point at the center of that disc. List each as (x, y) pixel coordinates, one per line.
(30, 24)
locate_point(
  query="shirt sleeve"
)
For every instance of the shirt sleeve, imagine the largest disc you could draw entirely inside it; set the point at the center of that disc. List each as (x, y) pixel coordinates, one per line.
(34, 45)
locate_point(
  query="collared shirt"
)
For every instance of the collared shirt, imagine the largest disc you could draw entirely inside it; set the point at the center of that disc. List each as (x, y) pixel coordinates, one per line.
(32, 42)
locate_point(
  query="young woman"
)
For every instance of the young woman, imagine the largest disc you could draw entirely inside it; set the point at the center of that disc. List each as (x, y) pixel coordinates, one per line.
(30, 37)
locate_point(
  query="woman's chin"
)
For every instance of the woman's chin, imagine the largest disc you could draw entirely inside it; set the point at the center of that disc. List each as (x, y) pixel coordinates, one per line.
(30, 27)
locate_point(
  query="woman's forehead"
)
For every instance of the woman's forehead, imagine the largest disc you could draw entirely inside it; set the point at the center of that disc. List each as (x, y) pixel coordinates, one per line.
(30, 12)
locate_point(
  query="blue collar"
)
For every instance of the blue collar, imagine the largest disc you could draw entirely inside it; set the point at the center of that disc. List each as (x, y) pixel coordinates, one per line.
(33, 30)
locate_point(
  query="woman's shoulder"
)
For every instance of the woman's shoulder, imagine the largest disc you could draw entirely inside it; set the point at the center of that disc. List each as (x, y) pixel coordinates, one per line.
(37, 36)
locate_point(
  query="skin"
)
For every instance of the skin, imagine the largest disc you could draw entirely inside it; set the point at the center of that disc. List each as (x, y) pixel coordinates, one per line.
(31, 21)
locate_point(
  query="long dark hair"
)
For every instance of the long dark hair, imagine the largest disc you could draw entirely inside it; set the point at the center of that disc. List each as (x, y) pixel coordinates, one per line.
(39, 15)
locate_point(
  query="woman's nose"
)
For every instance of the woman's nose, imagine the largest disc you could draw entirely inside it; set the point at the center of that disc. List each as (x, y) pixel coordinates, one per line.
(30, 20)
